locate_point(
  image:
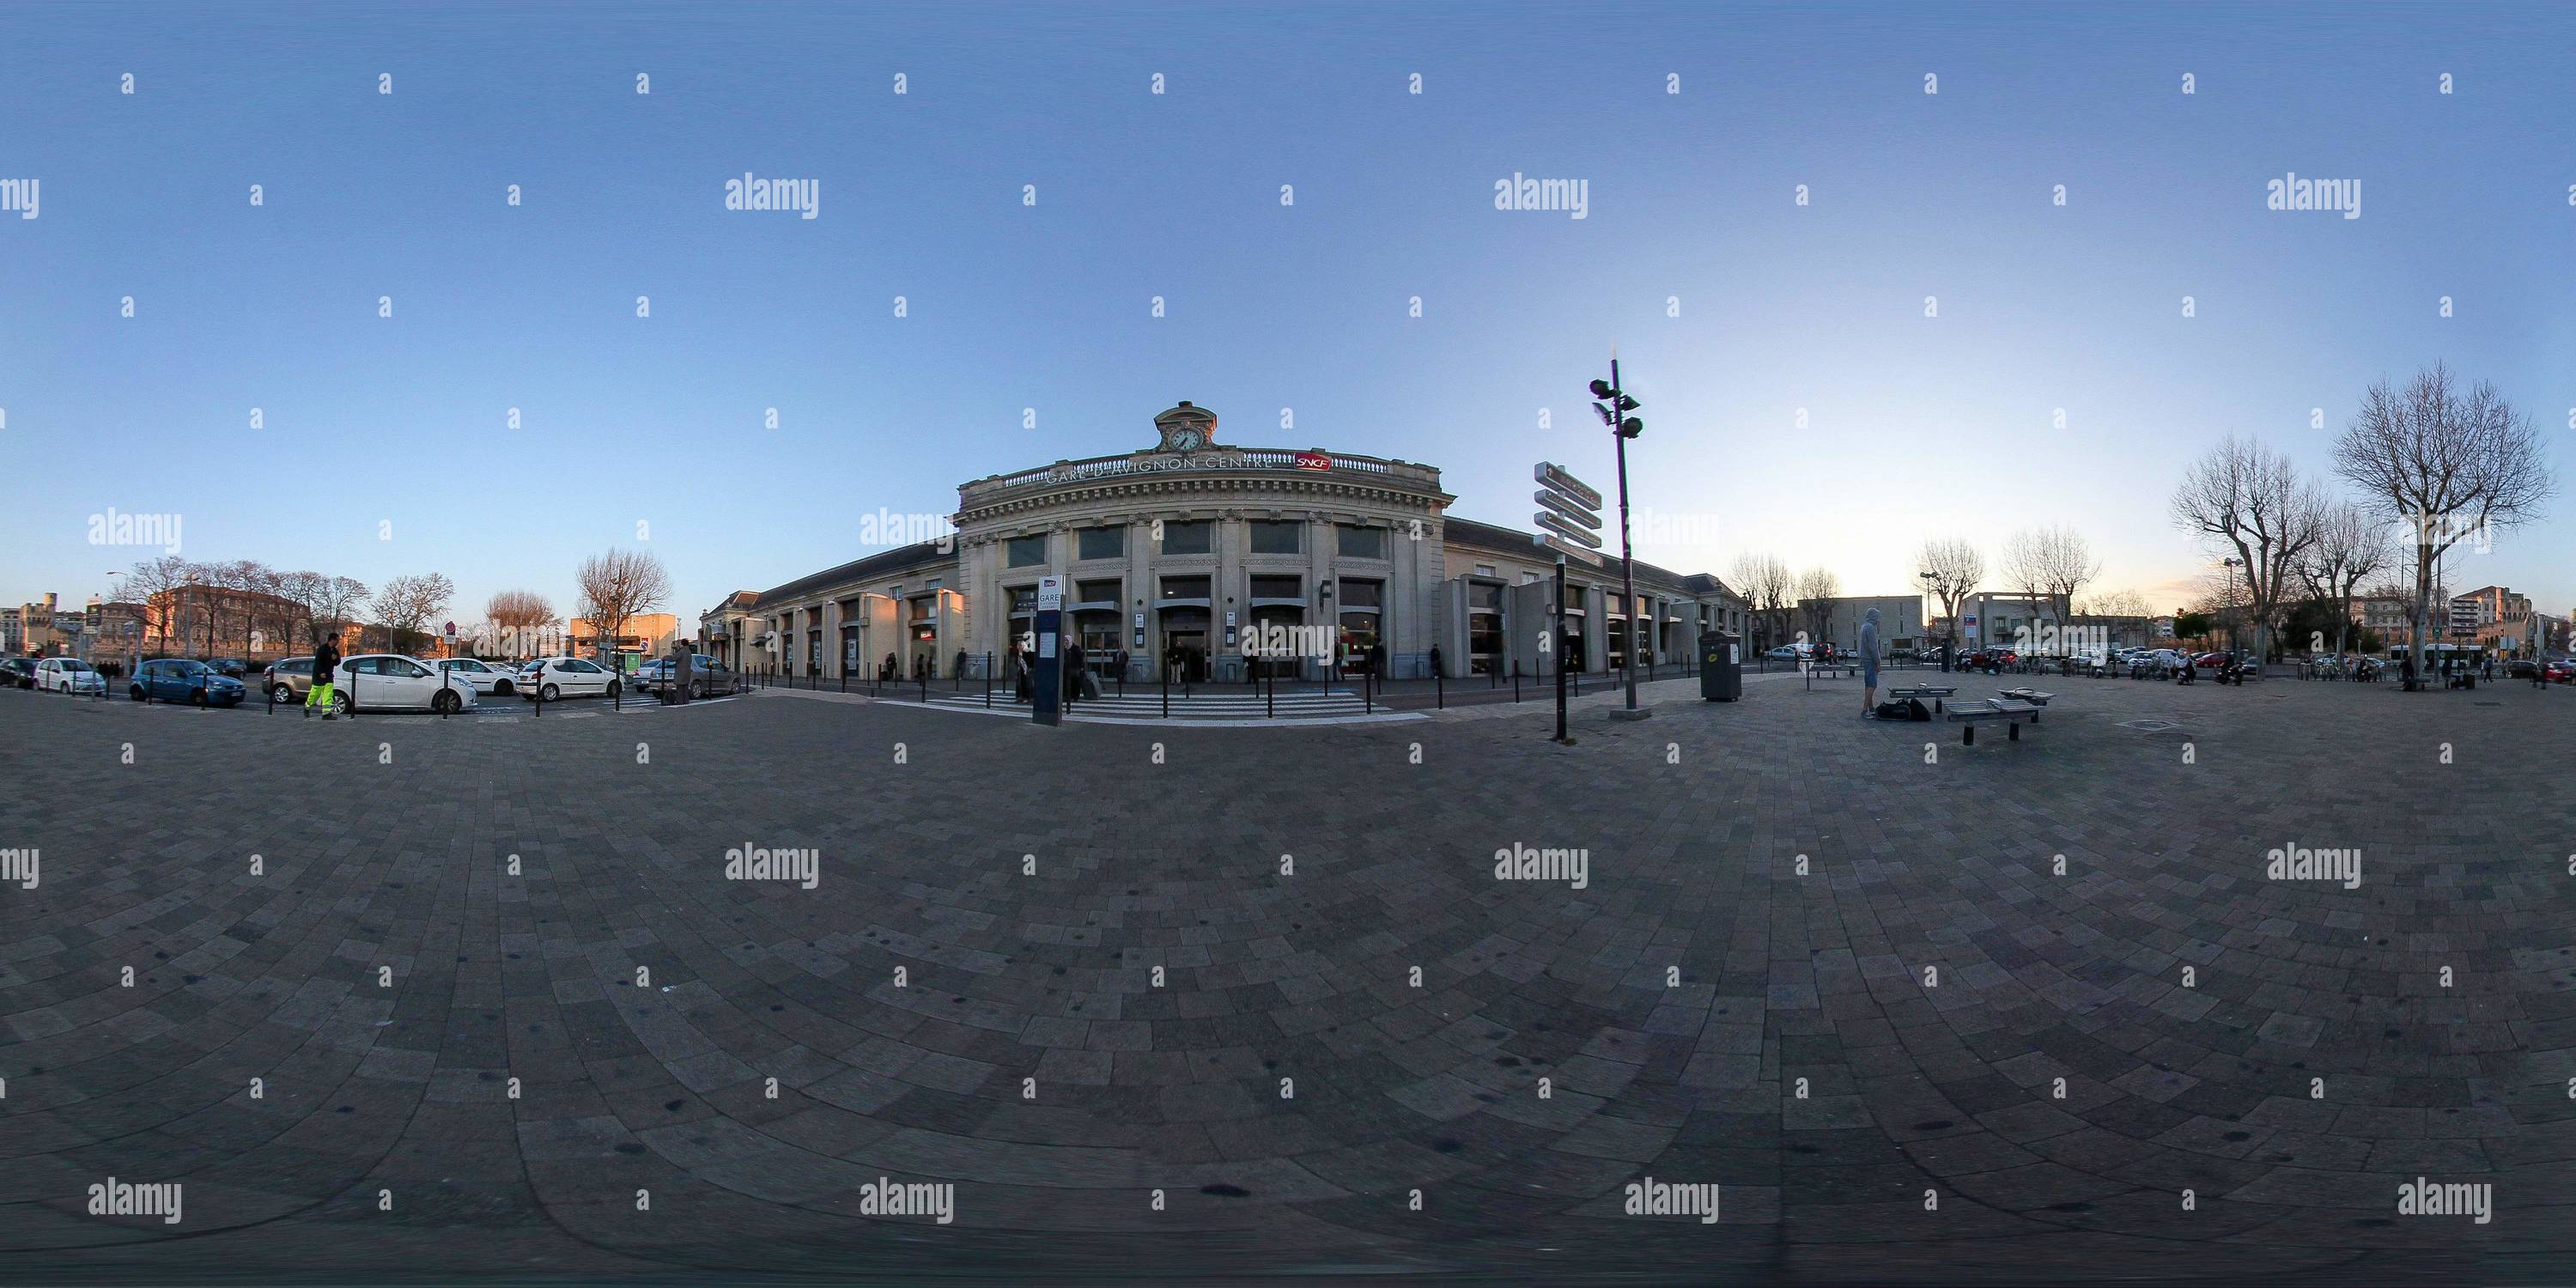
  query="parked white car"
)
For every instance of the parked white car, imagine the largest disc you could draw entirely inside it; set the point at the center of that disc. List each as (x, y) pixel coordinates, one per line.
(487, 679)
(393, 682)
(68, 675)
(556, 678)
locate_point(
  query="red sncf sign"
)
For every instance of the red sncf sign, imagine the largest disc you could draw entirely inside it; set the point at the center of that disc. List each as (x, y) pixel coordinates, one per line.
(1314, 461)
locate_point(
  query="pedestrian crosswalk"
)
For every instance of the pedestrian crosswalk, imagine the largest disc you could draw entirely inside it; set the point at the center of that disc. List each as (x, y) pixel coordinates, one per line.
(1202, 702)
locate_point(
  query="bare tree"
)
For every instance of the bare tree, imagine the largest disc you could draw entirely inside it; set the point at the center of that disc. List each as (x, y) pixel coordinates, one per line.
(2066, 564)
(2117, 603)
(1954, 568)
(1817, 588)
(324, 603)
(516, 619)
(407, 603)
(2243, 497)
(618, 587)
(2350, 545)
(155, 583)
(2026, 571)
(2443, 463)
(1765, 583)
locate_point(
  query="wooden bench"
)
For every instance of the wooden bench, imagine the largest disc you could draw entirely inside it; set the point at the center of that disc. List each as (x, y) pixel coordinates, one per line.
(2012, 713)
(1936, 692)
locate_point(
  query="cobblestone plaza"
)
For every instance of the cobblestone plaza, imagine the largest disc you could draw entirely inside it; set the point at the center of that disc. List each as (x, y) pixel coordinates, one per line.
(1226, 1002)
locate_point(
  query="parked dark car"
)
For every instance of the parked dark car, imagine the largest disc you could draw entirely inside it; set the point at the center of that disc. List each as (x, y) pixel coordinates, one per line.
(176, 679)
(1989, 660)
(706, 676)
(232, 666)
(18, 671)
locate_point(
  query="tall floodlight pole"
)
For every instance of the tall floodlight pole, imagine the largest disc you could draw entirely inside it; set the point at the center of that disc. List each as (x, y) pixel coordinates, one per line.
(1613, 408)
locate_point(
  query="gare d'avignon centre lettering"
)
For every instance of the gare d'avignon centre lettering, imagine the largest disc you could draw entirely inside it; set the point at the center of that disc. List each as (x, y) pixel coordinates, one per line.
(1166, 464)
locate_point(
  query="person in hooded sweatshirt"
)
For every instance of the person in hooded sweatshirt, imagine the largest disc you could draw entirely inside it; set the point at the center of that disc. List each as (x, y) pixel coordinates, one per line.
(1869, 662)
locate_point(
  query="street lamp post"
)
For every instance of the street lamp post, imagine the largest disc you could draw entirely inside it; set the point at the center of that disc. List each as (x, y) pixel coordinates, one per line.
(1927, 614)
(1613, 409)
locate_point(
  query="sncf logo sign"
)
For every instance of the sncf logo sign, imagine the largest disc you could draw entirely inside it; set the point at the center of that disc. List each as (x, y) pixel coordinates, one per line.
(1314, 461)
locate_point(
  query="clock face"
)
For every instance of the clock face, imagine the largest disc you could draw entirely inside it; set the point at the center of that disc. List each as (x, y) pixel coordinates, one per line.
(1186, 439)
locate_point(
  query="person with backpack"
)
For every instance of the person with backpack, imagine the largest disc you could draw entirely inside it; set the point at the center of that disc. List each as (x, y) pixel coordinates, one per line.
(326, 663)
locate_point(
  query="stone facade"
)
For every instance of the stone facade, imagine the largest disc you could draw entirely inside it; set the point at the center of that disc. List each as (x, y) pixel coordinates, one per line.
(1210, 562)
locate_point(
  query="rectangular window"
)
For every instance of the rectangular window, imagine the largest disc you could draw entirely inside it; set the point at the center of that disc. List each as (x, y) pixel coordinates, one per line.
(1103, 543)
(1273, 538)
(1278, 588)
(1102, 590)
(1024, 599)
(1362, 543)
(1361, 594)
(1020, 552)
(1185, 588)
(1484, 570)
(1191, 538)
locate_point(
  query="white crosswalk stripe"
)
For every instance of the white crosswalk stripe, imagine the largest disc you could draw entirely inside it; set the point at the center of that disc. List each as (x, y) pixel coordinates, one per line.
(1204, 704)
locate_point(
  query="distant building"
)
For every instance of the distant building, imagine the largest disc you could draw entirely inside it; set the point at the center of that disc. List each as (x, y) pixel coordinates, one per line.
(1900, 620)
(647, 633)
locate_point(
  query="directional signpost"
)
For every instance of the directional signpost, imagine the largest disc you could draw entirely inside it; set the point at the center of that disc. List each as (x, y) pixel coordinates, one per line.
(1570, 519)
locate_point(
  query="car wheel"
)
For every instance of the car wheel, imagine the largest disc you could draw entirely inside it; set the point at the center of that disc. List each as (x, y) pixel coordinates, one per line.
(446, 703)
(612, 688)
(549, 694)
(284, 694)
(697, 690)
(342, 704)
(197, 698)
(134, 691)
(502, 689)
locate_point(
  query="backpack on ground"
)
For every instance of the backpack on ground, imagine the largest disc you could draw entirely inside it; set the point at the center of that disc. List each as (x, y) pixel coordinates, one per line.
(1909, 709)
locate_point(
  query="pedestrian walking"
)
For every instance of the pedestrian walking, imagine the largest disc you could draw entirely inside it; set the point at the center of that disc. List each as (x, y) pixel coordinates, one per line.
(1869, 663)
(326, 663)
(676, 684)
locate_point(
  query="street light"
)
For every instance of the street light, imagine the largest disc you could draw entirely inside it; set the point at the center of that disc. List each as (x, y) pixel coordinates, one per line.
(1613, 408)
(1927, 612)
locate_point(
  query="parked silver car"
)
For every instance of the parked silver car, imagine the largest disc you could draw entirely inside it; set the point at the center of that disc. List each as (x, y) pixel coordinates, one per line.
(288, 679)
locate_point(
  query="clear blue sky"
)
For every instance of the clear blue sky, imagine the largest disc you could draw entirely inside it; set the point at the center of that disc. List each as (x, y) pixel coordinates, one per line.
(1781, 307)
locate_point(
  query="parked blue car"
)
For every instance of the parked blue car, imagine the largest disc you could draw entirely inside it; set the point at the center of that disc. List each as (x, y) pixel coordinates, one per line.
(176, 679)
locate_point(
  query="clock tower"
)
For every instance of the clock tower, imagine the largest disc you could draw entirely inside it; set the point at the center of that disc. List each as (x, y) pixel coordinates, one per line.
(1186, 429)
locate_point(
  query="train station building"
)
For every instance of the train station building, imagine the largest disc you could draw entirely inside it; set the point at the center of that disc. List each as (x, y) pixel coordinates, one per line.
(1210, 562)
